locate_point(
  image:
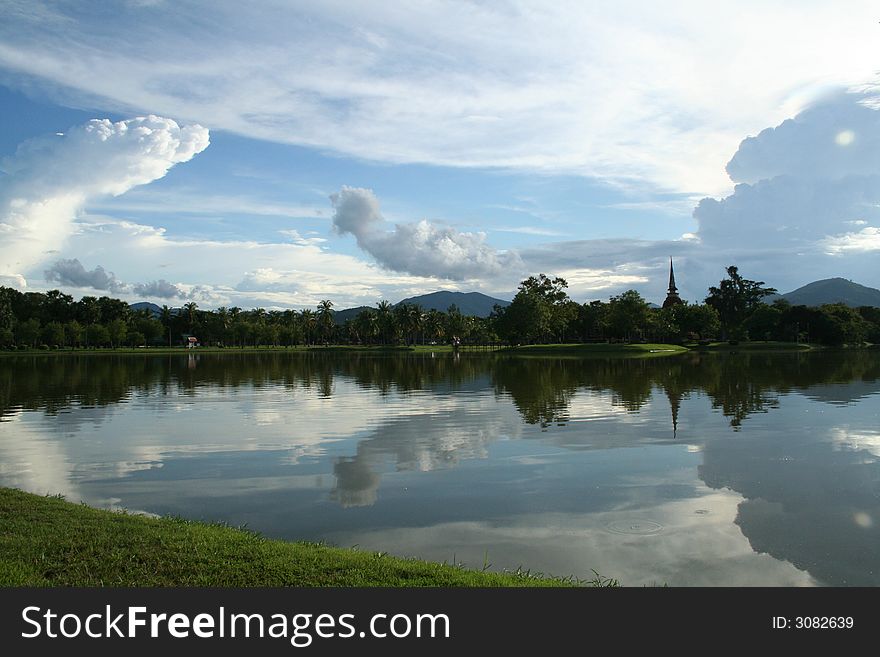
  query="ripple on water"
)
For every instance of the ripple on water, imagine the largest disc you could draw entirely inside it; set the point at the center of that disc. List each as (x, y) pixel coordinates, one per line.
(634, 527)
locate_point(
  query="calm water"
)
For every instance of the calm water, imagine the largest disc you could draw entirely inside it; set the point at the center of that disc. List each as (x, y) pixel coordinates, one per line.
(732, 469)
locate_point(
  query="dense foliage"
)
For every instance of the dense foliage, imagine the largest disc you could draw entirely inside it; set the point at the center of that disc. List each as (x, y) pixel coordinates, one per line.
(541, 312)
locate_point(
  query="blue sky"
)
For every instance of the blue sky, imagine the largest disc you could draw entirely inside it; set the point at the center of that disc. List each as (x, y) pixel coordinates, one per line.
(294, 152)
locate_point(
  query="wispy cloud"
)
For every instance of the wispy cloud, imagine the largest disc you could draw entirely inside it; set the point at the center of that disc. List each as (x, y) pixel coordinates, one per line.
(528, 230)
(524, 86)
(203, 202)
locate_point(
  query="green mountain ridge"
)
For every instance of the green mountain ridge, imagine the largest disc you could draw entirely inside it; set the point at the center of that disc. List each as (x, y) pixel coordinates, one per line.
(832, 290)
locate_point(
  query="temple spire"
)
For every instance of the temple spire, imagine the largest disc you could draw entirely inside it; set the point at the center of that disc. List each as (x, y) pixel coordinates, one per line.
(672, 298)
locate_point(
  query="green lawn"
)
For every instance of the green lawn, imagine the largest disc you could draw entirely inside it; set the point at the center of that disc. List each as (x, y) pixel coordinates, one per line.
(46, 541)
(770, 345)
(598, 349)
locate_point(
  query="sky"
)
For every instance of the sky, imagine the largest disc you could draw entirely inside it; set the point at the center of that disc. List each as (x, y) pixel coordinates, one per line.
(277, 154)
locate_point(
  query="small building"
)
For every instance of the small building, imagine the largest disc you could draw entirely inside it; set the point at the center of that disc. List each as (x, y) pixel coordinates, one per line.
(672, 298)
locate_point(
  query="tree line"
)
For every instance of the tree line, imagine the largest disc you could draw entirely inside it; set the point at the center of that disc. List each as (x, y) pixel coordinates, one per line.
(541, 313)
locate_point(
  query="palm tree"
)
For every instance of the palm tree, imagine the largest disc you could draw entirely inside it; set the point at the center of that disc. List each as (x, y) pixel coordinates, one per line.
(325, 318)
(190, 307)
(385, 319)
(234, 323)
(416, 321)
(308, 319)
(434, 325)
(165, 316)
(366, 325)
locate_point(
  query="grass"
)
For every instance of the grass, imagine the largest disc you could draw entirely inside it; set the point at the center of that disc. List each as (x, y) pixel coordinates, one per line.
(598, 349)
(580, 350)
(770, 345)
(46, 541)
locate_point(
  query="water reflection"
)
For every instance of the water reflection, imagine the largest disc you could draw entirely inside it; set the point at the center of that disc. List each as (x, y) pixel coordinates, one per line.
(751, 467)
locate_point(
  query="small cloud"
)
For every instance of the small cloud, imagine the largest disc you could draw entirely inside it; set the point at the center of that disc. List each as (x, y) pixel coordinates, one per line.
(864, 241)
(13, 280)
(529, 230)
(161, 289)
(299, 240)
(71, 272)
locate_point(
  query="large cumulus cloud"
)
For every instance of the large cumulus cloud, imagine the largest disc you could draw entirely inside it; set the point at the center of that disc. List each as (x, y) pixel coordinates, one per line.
(50, 179)
(808, 193)
(72, 272)
(422, 248)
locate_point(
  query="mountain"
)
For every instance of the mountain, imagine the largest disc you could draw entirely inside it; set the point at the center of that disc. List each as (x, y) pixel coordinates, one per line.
(469, 303)
(146, 305)
(833, 290)
(342, 316)
(472, 304)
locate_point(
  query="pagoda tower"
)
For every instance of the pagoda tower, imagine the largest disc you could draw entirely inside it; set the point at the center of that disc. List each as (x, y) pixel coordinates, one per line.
(672, 298)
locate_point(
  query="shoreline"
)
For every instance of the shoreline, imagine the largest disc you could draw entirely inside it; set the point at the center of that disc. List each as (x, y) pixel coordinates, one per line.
(47, 541)
(570, 349)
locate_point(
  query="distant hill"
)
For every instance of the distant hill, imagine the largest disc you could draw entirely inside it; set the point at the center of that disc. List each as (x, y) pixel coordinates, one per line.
(146, 305)
(832, 290)
(342, 316)
(473, 304)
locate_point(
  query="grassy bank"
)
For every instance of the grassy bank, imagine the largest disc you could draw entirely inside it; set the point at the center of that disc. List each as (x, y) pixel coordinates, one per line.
(582, 350)
(46, 541)
(770, 345)
(597, 349)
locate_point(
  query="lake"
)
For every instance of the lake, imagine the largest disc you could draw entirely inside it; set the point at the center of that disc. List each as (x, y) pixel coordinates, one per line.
(690, 470)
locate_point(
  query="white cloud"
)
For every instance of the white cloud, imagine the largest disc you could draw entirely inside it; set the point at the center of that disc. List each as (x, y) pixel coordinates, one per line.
(528, 230)
(422, 248)
(803, 190)
(50, 179)
(72, 272)
(300, 240)
(242, 273)
(13, 280)
(161, 288)
(622, 91)
(837, 137)
(195, 201)
(866, 240)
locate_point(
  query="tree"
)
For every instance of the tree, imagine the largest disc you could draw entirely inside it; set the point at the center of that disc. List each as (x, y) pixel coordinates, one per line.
(53, 334)
(28, 332)
(627, 315)
(366, 326)
(455, 324)
(385, 319)
(309, 322)
(325, 319)
(735, 299)
(190, 308)
(165, 316)
(540, 310)
(74, 332)
(136, 338)
(99, 335)
(698, 321)
(764, 323)
(149, 328)
(117, 330)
